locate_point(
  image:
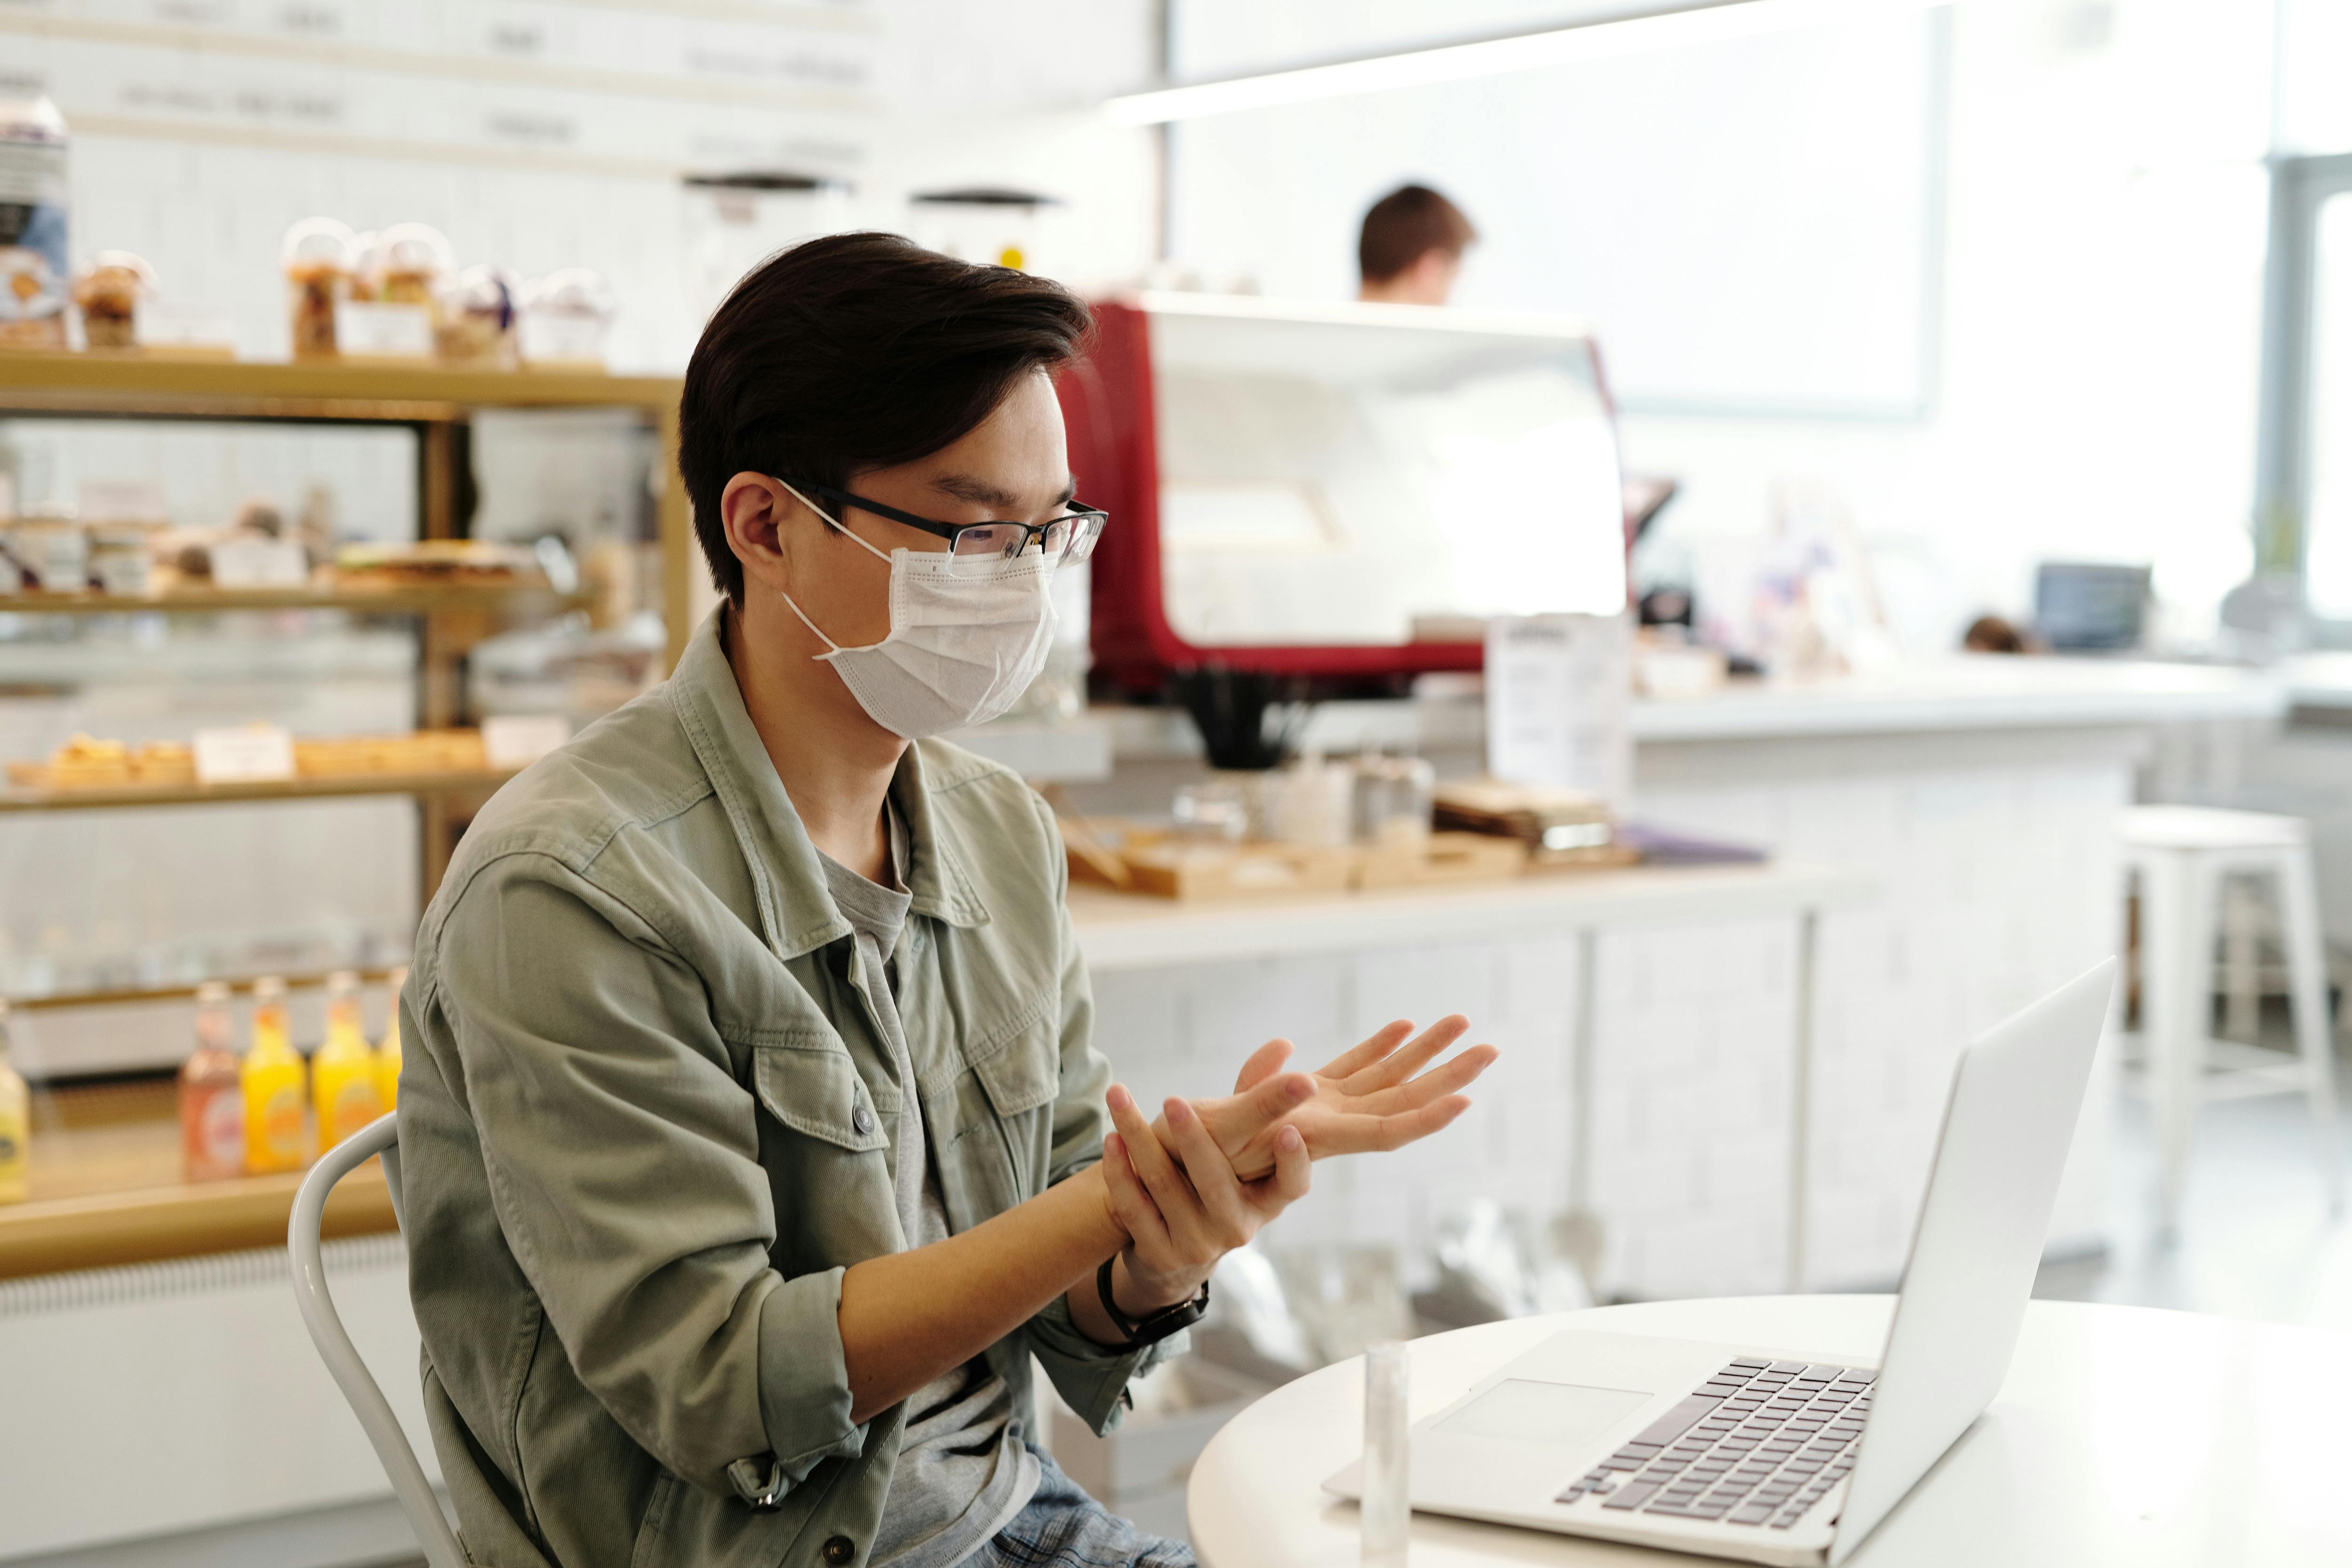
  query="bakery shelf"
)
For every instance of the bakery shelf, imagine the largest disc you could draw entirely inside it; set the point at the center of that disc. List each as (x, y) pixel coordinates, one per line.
(240, 389)
(60, 1001)
(475, 781)
(107, 1190)
(435, 399)
(405, 599)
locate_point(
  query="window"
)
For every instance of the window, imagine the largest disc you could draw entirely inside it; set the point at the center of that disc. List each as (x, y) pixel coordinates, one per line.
(2306, 450)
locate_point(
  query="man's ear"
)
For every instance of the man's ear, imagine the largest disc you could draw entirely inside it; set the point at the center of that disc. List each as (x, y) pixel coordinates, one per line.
(757, 514)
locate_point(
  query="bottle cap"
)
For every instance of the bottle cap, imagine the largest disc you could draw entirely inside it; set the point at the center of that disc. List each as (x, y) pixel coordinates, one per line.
(213, 994)
(269, 988)
(342, 982)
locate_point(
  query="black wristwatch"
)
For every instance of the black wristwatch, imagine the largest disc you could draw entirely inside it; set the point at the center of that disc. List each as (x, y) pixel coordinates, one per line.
(1152, 1327)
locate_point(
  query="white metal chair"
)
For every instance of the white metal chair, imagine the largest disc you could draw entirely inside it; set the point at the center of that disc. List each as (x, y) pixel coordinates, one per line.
(2180, 853)
(381, 1136)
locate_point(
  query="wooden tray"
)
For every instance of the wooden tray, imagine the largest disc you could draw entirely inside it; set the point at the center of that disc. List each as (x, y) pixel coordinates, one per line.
(1113, 853)
(1173, 870)
(1443, 857)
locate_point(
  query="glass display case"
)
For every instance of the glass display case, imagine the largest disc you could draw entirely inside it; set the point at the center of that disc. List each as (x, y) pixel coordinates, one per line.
(349, 556)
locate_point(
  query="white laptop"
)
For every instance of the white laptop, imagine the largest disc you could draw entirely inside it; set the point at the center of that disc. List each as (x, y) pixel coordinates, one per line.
(1778, 1454)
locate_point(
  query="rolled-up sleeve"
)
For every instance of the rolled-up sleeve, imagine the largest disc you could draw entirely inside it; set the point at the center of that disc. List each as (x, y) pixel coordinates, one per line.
(1090, 1376)
(623, 1158)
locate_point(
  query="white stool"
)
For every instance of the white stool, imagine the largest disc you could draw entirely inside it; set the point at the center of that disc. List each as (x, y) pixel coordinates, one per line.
(2181, 855)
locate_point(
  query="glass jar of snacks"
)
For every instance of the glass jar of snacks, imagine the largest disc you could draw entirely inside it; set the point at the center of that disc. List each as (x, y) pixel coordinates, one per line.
(51, 551)
(109, 293)
(122, 556)
(32, 224)
(407, 265)
(319, 256)
(476, 326)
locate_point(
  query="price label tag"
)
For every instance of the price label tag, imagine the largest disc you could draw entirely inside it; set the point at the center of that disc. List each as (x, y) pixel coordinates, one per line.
(547, 338)
(383, 331)
(259, 563)
(250, 754)
(519, 740)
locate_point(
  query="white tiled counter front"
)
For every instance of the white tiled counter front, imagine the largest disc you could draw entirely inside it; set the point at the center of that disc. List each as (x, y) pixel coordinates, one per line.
(1701, 967)
(1977, 796)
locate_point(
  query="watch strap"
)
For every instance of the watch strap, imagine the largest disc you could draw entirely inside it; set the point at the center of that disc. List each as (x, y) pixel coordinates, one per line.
(1152, 1327)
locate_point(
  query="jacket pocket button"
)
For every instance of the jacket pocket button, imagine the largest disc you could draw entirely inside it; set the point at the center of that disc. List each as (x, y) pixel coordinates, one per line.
(840, 1550)
(863, 1120)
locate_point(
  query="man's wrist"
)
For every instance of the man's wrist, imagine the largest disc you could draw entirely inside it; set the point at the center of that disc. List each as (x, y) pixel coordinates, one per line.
(1141, 1294)
(1113, 1237)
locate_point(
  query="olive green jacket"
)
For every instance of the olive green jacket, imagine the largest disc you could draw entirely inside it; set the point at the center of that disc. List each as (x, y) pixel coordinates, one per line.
(645, 1125)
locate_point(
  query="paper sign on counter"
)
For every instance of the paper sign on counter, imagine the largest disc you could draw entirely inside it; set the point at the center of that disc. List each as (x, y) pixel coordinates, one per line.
(519, 740)
(1559, 703)
(248, 753)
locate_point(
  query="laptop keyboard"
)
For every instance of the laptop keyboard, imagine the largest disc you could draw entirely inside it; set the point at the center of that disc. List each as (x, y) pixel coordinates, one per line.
(1756, 1444)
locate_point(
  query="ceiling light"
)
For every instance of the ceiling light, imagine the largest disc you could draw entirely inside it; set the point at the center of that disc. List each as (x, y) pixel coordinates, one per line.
(1493, 56)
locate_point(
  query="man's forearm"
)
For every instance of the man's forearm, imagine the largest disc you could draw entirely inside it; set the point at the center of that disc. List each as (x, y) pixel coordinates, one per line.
(909, 1316)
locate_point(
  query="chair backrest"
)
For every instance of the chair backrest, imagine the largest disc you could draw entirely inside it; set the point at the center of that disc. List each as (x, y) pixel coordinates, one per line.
(381, 1136)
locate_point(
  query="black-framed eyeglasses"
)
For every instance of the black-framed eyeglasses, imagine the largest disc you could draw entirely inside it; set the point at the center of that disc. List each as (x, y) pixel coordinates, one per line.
(1069, 537)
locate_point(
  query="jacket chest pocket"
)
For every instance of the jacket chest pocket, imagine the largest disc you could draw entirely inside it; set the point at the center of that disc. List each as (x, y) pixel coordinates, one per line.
(823, 1142)
(1008, 1109)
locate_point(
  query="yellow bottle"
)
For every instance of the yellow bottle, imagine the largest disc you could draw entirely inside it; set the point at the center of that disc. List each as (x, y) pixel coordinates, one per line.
(275, 1137)
(16, 1126)
(387, 1055)
(343, 1081)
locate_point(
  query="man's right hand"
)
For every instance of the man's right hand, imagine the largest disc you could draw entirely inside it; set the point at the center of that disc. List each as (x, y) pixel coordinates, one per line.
(1374, 1096)
(1181, 1202)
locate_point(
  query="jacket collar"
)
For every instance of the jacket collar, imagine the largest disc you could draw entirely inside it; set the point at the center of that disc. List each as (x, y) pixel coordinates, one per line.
(787, 878)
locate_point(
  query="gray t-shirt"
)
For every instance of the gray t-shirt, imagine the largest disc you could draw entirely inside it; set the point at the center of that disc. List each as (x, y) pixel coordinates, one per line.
(963, 1471)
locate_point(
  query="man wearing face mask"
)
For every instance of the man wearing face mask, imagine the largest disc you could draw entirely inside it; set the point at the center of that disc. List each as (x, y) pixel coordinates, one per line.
(754, 1140)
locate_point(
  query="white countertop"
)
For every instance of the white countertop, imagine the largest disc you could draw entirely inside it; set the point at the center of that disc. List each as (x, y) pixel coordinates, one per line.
(1979, 692)
(2318, 679)
(1128, 931)
(1962, 692)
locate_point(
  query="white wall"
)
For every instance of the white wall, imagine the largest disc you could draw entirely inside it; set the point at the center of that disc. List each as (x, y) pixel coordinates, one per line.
(2100, 344)
(1743, 215)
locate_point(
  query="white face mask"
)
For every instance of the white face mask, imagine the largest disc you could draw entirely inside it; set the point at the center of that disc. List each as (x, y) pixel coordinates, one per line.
(967, 637)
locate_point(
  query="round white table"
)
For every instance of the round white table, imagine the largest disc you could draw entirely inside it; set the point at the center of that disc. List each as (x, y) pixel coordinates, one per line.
(2123, 1435)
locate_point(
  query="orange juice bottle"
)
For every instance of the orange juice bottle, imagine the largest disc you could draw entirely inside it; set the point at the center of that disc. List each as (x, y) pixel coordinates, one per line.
(343, 1081)
(212, 1096)
(276, 1138)
(387, 1055)
(16, 1126)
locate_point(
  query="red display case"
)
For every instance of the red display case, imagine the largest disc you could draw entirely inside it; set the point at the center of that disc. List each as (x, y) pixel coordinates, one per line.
(1238, 371)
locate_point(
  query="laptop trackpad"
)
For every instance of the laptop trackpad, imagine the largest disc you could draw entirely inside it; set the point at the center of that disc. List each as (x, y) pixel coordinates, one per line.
(1523, 1411)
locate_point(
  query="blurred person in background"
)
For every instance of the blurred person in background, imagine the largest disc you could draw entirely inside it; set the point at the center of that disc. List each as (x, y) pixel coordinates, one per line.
(1410, 250)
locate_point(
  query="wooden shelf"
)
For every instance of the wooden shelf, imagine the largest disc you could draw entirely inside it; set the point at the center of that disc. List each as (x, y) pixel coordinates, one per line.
(110, 797)
(189, 599)
(239, 389)
(107, 1190)
(61, 1001)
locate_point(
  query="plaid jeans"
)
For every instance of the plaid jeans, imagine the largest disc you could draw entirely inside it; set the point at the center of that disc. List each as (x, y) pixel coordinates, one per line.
(1063, 1528)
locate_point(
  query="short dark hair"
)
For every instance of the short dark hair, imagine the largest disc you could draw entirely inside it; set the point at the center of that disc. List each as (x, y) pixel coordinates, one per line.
(851, 352)
(1406, 226)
